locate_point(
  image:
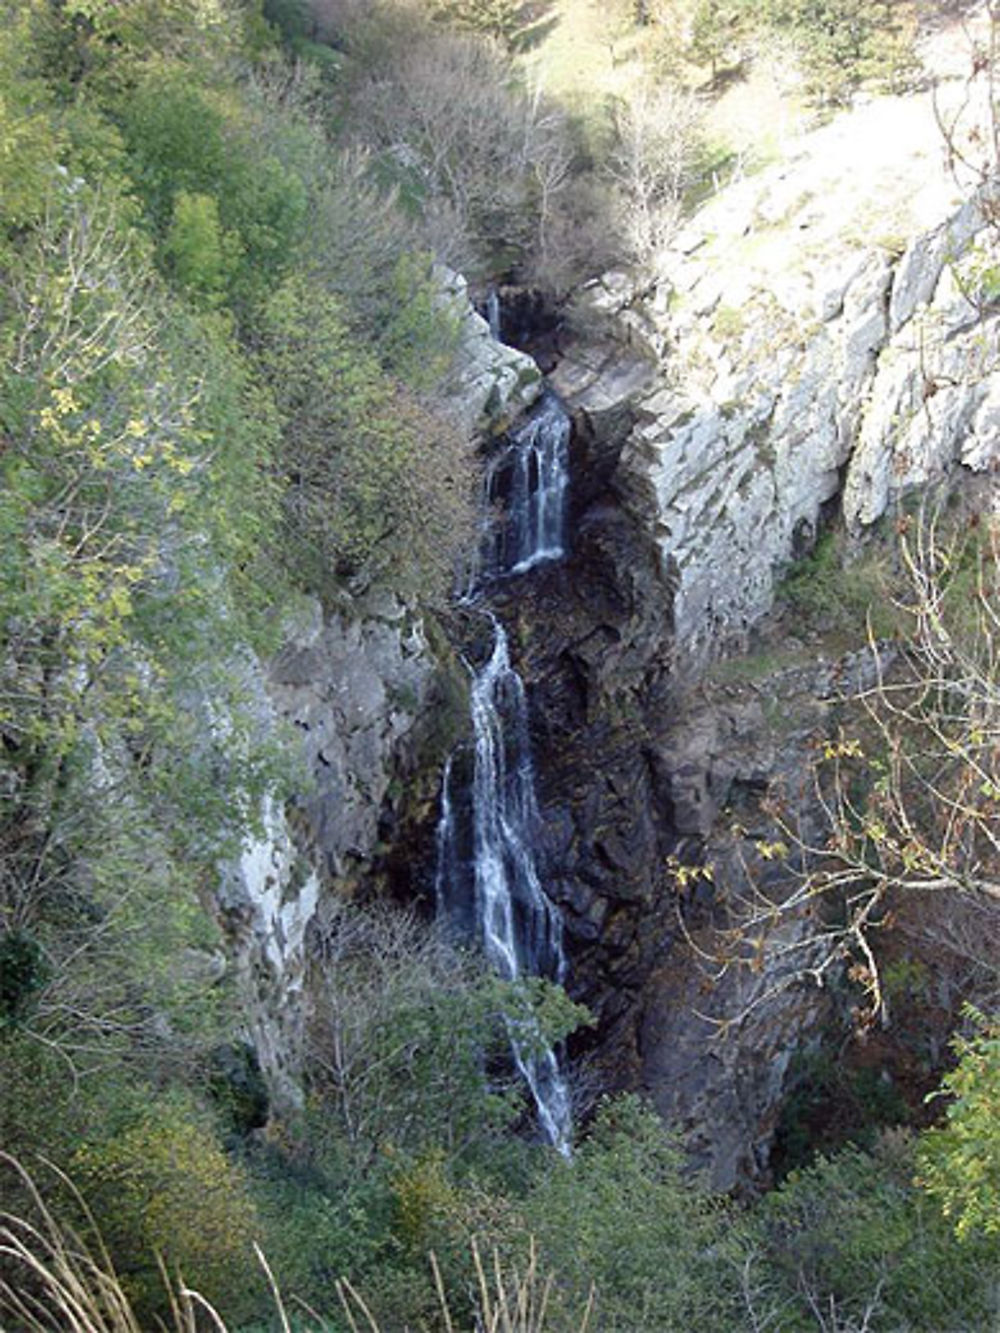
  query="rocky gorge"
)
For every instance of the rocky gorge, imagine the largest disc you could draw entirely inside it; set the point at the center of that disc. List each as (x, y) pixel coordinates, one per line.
(820, 343)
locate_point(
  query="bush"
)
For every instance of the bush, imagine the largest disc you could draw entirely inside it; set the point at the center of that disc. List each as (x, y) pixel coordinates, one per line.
(959, 1163)
(854, 1237)
(376, 482)
(163, 1186)
(622, 1217)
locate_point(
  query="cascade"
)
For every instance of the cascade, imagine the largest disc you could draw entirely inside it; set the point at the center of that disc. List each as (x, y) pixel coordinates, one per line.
(526, 481)
(519, 928)
(486, 880)
(493, 313)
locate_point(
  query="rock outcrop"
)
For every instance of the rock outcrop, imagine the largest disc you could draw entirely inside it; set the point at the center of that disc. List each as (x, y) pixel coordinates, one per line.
(795, 334)
(823, 340)
(358, 692)
(490, 384)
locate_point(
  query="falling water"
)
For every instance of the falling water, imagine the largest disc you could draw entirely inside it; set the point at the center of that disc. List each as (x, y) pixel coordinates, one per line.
(527, 481)
(487, 881)
(493, 312)
(520, 930)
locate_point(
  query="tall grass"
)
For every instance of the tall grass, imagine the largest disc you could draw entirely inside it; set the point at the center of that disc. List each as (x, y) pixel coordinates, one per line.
(52, 1280)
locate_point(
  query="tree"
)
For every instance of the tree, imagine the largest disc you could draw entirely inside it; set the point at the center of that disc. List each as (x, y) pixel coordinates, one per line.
(844, 43)
(622, 1220)
(494, 18)
(410, 1038)
(719, 30)
(200, 255)
(650, 164)
(852, 1243)
(162, 1186)
(363, 493)
(905, 797)
(959, 1163)
(451, 128)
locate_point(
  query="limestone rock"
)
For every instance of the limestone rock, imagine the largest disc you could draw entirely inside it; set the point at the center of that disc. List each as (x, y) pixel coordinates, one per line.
(490, 383)
(813, 322)
(355, 688)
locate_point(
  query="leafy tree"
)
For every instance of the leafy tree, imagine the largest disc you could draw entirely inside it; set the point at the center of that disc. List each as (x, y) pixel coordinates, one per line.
(851, 1242)
(201, 256)
(188, 144)
(621, 1217)
(495, 18)
(161, 1185)
(959, 1164)
(719, 32)
(844, 43)
(30, 139)
(410, 1038)
(364, 493)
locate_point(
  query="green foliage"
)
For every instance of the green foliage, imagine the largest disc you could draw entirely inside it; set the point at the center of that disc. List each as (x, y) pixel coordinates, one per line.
(290, 17)
(411, 1040)
(841, 44)
(200, 255)
(959, 1164)
(622, 1217)
(827, 591)
(23, 973)
(851, 1234)
(197, 168)
(495, 18)
(718, 30)
(844, 43)
(376, 481)
(162, 1185)
(829, 1104)
(29, 139)
(418, 336)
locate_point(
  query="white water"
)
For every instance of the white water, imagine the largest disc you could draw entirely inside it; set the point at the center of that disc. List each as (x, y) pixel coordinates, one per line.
(485, 846)
(520, 929)
(493, 313)
(529, 478)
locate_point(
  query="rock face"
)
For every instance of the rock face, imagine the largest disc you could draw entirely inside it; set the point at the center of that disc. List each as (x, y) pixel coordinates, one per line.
(490, 383)
(792, 335)
(822, 339)
(796, 352)
(358, 691)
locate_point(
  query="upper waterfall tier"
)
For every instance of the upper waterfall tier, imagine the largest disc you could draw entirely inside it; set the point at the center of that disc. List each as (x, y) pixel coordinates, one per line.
(526, 488)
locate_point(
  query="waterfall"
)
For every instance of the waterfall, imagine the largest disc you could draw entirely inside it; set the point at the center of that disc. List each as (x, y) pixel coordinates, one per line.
(486, 881)
(520, 930)
(527, 481)
(493, 313)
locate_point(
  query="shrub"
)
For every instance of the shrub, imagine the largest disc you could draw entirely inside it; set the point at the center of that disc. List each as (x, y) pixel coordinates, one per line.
(376, 482)
(622, 1217)
(163, 1186)
(853, 1236)
(959, 1164)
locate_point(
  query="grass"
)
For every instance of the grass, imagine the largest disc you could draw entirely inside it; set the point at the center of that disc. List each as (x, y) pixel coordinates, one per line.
(54, 1281)
(586, 52)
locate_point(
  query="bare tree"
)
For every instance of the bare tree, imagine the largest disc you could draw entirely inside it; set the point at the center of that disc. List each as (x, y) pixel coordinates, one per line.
(904, 799)
(650, 163)
(442, 109)
(401, 1031)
